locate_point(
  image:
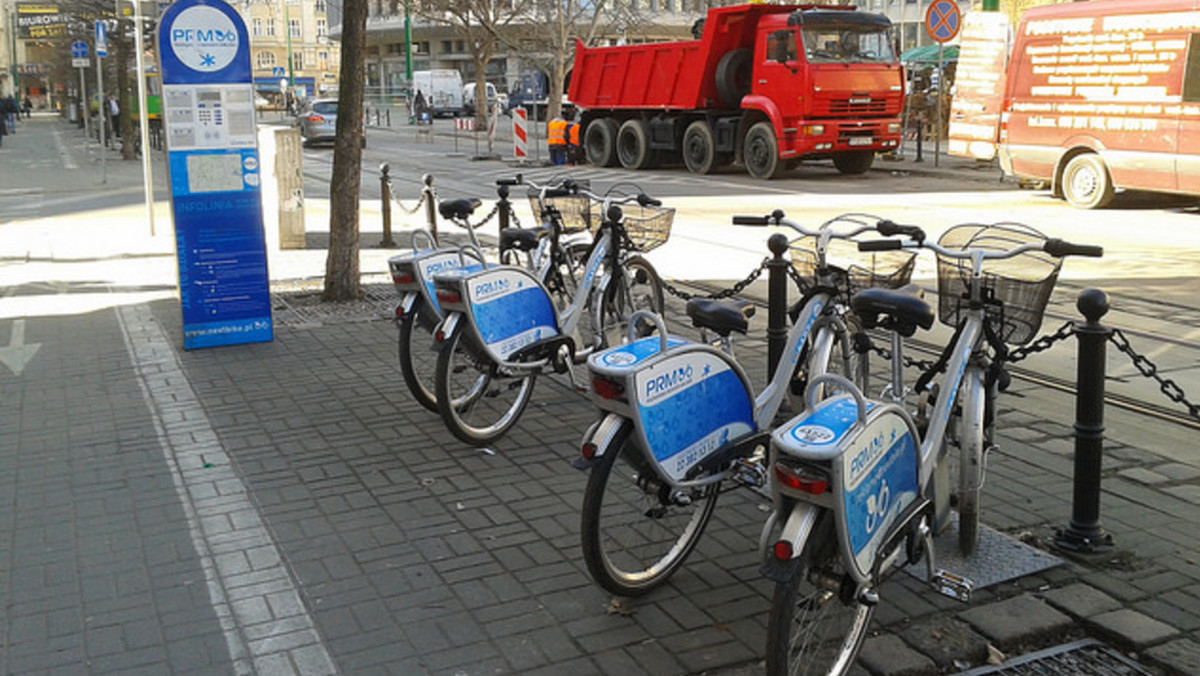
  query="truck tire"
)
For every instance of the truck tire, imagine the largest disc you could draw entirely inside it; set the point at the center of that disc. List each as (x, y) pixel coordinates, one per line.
(633, 145)
(1086, 183)
(699, 148)
(760, 151)
(854, 161)
(600, 142)
(732, 76)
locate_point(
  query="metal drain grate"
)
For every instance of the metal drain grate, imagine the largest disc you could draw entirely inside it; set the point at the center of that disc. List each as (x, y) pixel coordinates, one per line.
(1088, 657)
(300, 306)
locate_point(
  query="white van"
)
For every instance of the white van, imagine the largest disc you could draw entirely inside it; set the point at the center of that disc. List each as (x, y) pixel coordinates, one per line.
(469, 97)
(442, 90)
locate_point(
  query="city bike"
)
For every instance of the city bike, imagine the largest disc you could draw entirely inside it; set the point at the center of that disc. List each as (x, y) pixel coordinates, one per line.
(679, 418)
(552, 260)
(861, 486)
(502, 327)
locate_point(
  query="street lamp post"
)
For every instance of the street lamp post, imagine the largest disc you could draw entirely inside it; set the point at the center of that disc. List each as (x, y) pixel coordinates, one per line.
(287, 20)
(407, 45)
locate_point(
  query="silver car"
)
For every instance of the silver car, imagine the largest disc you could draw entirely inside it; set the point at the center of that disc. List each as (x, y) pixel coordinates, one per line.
(318, 122)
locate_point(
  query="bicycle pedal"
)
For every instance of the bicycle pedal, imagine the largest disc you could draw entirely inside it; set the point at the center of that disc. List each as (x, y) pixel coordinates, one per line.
(955, 586)
(750, 472)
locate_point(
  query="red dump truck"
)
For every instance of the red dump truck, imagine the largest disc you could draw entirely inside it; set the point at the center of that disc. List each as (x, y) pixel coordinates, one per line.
(764, 85)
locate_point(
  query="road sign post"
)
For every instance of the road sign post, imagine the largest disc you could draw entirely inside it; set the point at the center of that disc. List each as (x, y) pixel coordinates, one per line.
(79, 59)
(942, 21)
(105, 113)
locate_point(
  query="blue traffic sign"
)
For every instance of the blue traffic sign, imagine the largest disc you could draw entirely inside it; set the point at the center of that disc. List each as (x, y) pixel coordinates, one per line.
(101, 39)
(277, 71)
(942, 20)
(79, 49)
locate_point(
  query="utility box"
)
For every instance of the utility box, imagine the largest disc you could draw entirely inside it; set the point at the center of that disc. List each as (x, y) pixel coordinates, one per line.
(283, 187)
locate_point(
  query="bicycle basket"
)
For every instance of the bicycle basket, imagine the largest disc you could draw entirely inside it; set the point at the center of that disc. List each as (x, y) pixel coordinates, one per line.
(575, 211)
(855, 270)
(648, 227)
(1022, 284)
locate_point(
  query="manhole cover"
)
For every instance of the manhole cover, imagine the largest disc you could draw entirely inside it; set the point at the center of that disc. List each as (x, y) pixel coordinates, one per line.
(1088, 657)
(300, 305)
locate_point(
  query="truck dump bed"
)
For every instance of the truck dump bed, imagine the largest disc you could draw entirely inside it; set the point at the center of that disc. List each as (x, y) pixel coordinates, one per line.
(668, 75)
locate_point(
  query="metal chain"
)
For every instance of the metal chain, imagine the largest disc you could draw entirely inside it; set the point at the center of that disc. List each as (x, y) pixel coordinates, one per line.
(1041, 344)
(921, 364)
(495, 210)
(725, 293)
(512, 216)
(396, 200)
(1168, 387)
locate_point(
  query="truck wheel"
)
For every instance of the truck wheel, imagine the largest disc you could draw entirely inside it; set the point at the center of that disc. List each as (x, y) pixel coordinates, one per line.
(600, 142)
(854, 161)
(732, 76)
(760, 151)
(633, 145)
(699, 148)
(1086, 183)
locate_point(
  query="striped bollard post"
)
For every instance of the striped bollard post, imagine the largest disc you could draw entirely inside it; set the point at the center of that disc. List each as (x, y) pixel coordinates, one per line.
(519, 135)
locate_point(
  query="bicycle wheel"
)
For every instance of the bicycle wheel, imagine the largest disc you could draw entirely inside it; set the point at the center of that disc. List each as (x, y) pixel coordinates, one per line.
(973, 432)
(816, 626)
(418, 363)
(478, 399)
(636, 530)
(829, 350)
(636, 287)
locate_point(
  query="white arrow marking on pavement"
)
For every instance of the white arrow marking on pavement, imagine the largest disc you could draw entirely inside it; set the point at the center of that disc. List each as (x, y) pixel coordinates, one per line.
(18, 354)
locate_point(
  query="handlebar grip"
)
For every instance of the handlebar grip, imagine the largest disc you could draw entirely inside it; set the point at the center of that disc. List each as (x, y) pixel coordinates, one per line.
(889, 227)
(750, 220)
(880, 245)
(648, 201)
(518, 180)
(1058, 248)
(558, 192)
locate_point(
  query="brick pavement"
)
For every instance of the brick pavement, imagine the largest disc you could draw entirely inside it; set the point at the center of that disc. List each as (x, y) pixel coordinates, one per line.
(286, 508)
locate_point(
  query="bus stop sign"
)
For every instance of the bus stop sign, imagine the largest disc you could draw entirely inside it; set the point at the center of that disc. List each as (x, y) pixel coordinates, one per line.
(942, 20)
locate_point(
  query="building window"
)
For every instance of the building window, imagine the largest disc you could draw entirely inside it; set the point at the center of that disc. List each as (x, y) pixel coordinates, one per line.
(446, 46)
(265, 61)
(322, 28)
(319, 6)
(322, 60)
(460, 46)
(271, 27)
(294, 28)
(297, 60)
(395, 48)
(256, 27)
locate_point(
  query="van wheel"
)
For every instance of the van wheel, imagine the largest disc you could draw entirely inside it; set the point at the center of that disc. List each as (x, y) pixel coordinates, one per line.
(854, 161)
(760, 151)
(600, 142)
(699, 148)
(1086, 183)
(633, 145)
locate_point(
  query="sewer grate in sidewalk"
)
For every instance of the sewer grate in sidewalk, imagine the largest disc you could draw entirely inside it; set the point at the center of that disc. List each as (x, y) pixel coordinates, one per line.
(299, 305)
(997, 558)
(1088, 657)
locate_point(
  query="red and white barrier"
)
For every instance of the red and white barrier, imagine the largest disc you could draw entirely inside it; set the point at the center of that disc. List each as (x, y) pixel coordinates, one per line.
(519, 135)
(464, 123)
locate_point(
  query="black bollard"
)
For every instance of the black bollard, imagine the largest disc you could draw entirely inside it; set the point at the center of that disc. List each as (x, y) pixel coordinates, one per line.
(430, 197)
(503, 214)
(385, 206)
(777, 305)
(920, 139)
(1084, 535)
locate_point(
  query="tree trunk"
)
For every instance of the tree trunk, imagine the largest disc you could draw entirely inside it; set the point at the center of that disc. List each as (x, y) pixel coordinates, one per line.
(129, 103)
(341, 265)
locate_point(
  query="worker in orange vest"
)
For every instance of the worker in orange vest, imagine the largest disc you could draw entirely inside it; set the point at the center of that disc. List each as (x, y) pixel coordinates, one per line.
(573, 150)
(556, 138)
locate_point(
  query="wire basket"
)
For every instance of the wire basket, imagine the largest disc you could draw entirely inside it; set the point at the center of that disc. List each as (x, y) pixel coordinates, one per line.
(854, 270)
(1015, 290)
(648, 227)
(576, 211)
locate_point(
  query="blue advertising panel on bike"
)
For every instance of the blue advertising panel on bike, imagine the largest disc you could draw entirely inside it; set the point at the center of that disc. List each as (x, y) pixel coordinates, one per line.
(510, 310)
(691, 403)
(212, 151)
(879, 480)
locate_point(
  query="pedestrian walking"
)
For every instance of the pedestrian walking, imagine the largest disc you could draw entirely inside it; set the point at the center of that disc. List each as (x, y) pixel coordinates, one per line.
(10, 112)
(556, 138)
(28, 106)
(114, 113)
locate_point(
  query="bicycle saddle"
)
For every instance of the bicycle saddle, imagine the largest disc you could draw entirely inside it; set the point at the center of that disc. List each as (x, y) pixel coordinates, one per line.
(521, 239)
(899, 310)
(460, 208)
(719, 316)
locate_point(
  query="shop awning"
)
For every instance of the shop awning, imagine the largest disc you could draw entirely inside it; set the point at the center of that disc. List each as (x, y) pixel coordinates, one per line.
(928, 54)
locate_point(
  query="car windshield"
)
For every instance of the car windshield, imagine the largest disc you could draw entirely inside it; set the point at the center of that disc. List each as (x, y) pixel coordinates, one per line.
(325, 107)
(846, 44)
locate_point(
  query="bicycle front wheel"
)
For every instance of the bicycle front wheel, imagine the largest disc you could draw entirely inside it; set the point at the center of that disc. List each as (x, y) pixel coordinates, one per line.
(636, 287)
(816, 626)
(636, 529)
(829, 350)
(418, 363)
(478, 399)
(974, 431)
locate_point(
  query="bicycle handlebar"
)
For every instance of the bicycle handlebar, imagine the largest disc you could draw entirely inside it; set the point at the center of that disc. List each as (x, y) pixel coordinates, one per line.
(1058, 248)
(1054, 246)
(863, 223)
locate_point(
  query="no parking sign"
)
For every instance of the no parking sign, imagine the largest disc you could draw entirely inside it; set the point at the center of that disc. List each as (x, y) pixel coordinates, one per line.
(942, 20)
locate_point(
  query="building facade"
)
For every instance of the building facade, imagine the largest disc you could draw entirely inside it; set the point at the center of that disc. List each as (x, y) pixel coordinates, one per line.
(291, 47)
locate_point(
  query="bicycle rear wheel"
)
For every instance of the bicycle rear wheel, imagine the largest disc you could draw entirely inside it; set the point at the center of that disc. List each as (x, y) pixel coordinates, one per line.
(816, 626)
(636, 530)
(636, 287)
(478, 399)
(829, 350)
(418, 363)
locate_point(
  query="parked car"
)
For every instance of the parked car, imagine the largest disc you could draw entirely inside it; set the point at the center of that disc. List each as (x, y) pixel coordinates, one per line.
(317, 120)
